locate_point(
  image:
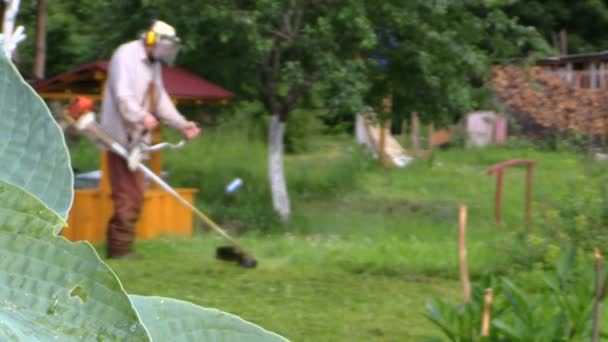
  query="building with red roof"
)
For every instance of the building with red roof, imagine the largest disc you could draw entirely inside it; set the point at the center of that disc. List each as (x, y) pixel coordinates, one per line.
(88, 80)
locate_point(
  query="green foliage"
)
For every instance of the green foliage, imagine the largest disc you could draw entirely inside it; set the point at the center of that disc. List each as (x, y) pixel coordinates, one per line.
(84, 155)
(462, 322)
(550, 17)
(384, 244)
(342, 167)
(574, 215)
(16, 138)
(438, 52)
(303, 127)
(235, 149)
(228, 152)
(53, 289)
(72, 37)
(561, 311)
(170, 319)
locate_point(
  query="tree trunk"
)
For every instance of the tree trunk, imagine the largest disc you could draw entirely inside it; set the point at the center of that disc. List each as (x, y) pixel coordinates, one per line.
(10, 9)
(40, 60)
(276, 172)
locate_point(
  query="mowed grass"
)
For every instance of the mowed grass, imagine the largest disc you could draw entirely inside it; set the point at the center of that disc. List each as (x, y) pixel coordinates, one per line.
(367, 247)
(302, 301)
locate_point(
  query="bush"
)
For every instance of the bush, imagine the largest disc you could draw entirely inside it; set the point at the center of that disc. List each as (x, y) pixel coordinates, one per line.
(219, 156)
(329, 173)
(212, 162)
(84, 154)
(561, 311)
(302, 126)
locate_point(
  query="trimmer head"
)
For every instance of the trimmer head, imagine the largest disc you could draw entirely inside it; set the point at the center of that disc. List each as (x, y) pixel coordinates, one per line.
(232, 253)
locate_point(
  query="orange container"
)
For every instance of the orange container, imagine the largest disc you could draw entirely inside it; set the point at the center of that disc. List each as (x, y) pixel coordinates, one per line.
(161, 215)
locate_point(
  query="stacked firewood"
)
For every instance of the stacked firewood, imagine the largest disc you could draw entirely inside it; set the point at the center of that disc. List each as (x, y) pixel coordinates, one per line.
(550, 101)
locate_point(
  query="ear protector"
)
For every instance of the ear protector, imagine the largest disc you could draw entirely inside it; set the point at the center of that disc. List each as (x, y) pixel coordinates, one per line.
(150, 38)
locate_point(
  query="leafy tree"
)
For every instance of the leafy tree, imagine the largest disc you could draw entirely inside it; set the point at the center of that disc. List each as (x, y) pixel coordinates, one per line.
(274, 51)
(295, 45)
(71, 35)
(585, 21)
(433, 56)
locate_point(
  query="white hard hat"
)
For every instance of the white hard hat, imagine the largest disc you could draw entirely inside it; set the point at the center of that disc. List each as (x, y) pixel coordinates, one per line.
(164, 41)
(163, 29)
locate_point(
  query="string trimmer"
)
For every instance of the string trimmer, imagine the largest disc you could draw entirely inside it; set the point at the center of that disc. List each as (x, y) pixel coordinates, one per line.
(81, 116)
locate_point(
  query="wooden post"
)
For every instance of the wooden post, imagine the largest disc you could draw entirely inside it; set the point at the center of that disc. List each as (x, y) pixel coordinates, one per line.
(498, 197)
(487, 310)
(529, 169)
(374, 144)
(415, 133)
(602, 75)
(431, 130)
(555, 40)
(563, 35)
(387, 108)
(598, 296)
(569, 74)
(40, 59)
(593, 83)
(498, 169)
(381, 153)
(462, 253)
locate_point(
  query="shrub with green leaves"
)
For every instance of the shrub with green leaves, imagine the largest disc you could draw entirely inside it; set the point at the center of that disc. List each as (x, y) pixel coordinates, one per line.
(562, 310)
(55, 290)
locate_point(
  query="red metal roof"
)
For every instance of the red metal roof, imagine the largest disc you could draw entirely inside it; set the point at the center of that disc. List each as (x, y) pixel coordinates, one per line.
(179, 83)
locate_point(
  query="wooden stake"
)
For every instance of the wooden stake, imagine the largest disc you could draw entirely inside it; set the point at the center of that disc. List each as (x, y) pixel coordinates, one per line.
(593, 79)
(382, 154)
(563, 35)
(498, 197)
(598, 296)
(415, 133)
(487, 306)
(462, 253)
(40, 59)
(431, 133)
(529, 169)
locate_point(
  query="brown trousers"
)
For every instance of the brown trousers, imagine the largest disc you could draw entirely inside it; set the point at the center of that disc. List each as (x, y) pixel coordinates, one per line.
(128, 196)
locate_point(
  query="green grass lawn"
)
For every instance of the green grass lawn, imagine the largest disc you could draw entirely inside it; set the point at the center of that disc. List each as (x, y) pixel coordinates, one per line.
(367, 247)
(316, 301)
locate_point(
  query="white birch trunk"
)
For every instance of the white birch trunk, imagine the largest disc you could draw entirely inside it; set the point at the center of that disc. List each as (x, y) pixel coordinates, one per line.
(11, 37)
(276, 172)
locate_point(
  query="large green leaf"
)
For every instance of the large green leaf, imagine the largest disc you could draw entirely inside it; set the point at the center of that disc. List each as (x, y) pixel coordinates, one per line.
(52, 289)
(173, 320)
(55, 290)
(32, 150)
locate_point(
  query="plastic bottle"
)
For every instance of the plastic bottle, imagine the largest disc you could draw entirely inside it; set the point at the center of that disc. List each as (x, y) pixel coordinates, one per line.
(234, 185)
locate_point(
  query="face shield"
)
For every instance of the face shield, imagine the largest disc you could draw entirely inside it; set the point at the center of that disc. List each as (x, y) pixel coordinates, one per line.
(165, 50)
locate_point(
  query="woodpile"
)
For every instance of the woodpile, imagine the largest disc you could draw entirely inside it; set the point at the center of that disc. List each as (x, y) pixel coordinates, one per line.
(549, 101)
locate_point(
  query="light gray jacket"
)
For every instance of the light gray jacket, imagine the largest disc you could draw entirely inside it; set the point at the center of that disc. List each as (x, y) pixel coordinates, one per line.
(126, 100)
